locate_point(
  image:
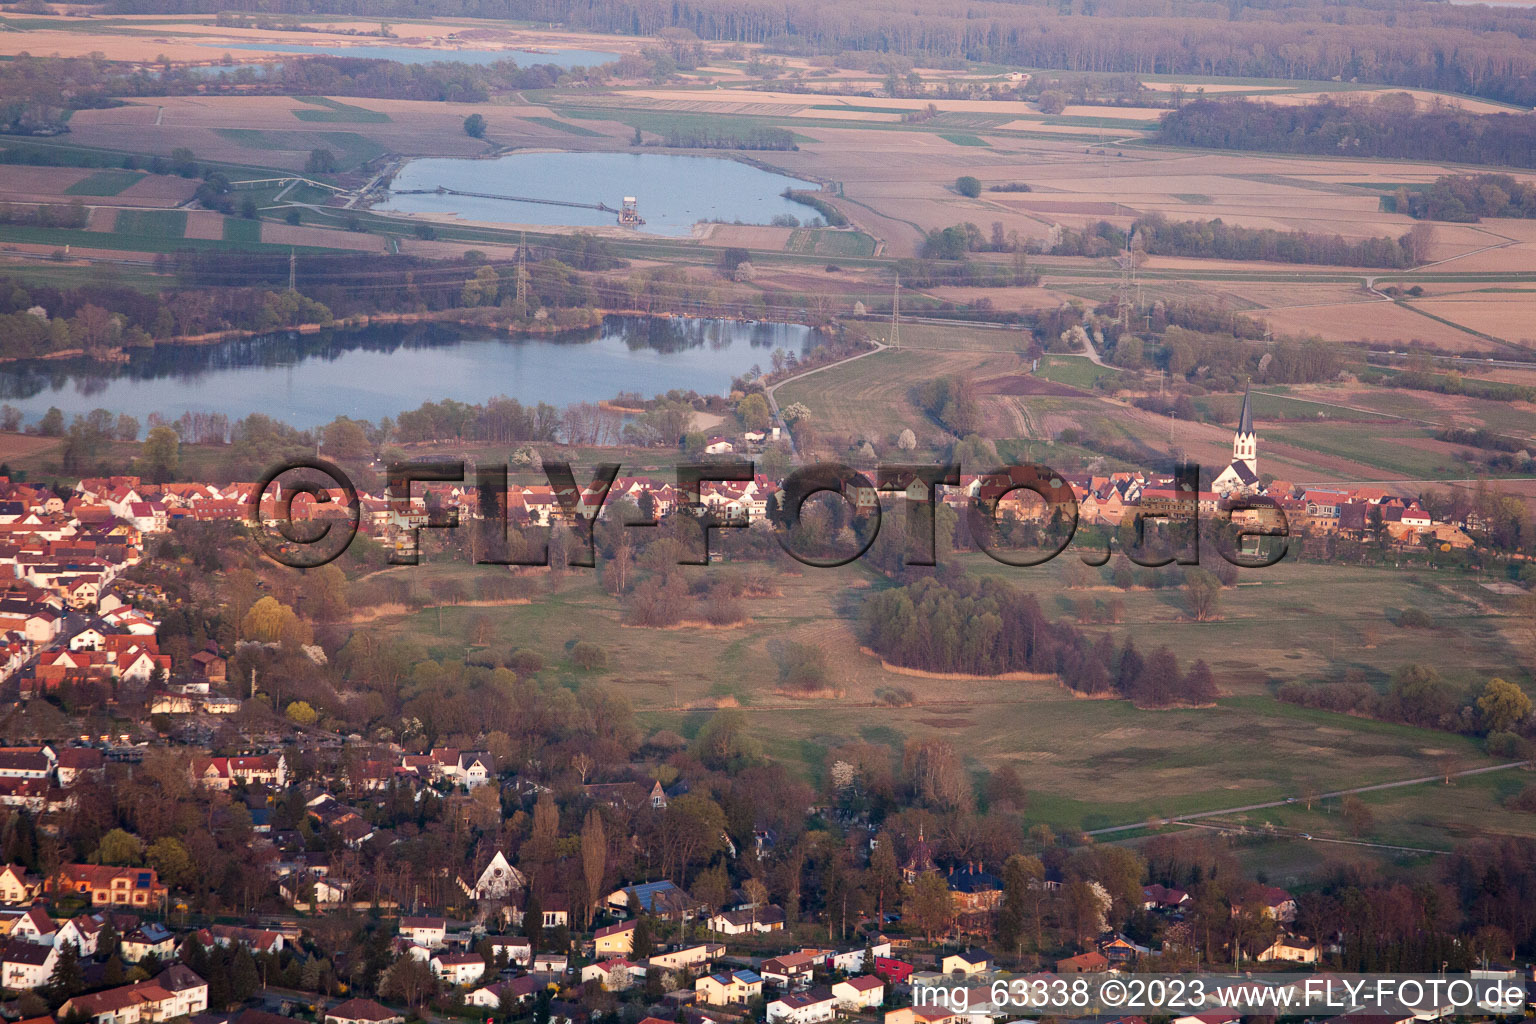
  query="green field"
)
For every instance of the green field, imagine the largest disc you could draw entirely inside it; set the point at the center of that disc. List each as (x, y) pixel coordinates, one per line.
(104, 183)
(829, 242)
(964, 139)
(237, 229)
(151, 223)
(333, 110)
(562, 126)
(1075, 371)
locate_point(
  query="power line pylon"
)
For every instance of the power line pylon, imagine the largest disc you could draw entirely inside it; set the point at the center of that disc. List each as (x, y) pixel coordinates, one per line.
(896, 314)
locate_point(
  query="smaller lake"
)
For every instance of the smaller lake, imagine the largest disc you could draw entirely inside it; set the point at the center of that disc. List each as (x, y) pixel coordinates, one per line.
(424, 55)
(675, 192)
(309, 379)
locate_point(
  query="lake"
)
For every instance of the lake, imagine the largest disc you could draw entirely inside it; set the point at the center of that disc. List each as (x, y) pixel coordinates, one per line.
(675, 192)
(422, 55)
(306, 380)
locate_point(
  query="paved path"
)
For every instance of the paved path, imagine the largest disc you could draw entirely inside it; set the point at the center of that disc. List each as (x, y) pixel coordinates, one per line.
(773, 402)
(1322, 796)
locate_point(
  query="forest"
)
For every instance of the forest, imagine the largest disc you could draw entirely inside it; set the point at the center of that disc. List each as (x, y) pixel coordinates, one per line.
(1483, 51)
(1467, 198)
(35, 92)
(1213, 239)
(1385, 128)
(986, 628)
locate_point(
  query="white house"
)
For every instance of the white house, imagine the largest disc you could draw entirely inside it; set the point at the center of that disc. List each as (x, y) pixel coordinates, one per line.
(430, 932)
(146, 939)
(1291, 949)
(517, 991)
(754, 919)
(861, 993)
(84, 931)
(851, 961)
(26, 966)
(551, 963)
(614, 975)
(802, 1007)
(35, 926)
(516, 949)
(967, 962)
(458, 968)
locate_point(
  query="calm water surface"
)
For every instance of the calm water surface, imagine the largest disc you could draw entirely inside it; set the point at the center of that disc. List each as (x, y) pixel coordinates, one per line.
(306, 380)
(675, 192)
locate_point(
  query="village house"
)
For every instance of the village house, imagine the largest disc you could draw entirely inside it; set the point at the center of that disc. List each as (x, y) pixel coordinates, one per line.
(225, 772)
(174, 992)
(613, 975)
(967, 962)
(550, 963)
(83, 931)
(35, 926)
(511, 948)
(802, 1007)
(26, 966)
(614, 939)
(18, 885)
(361, 1011)
(109, 886)
(728, 988)
(864, 992)
(923, 1015)
(458, 968)
(1092, 962)
(851, 961)
(1291, 949)
(148, 939)
(1162, 898)
(517, 992)
(792, 970)
(757, 920)
(428, 932)
(688, 956)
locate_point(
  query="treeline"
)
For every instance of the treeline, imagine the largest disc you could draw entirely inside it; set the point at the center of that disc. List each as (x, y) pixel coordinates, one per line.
(1455, 384)
(1482, 51)
(247, 291)
(1479, 437)
(1201, 343)
(504, 420)
(72, 215)
(353, 284)
(37, 92)
(1361, 130)
(1214, 239)
(988, 628)
(931, 273)
(1466, 198)
(751, 138)
(829, 213)
(1419, 695)
(1217, 240)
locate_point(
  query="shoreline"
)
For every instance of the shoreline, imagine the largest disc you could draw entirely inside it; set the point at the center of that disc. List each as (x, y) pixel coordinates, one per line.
(122, 353)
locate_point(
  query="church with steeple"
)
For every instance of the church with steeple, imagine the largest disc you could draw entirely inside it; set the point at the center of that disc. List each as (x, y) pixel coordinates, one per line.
(1242, 476)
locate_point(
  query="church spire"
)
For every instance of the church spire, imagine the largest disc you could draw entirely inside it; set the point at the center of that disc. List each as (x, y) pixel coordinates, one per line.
(1245, 421)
